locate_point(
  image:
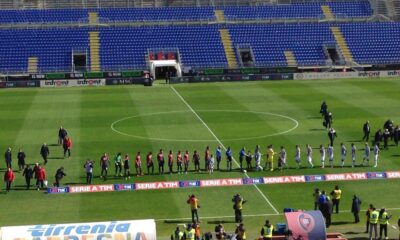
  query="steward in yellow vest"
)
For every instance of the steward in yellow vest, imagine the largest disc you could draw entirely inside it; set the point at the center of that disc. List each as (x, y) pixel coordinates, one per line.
(189, 233)
(266, 230)
(383, 222)
(177, 234)
(240, 232)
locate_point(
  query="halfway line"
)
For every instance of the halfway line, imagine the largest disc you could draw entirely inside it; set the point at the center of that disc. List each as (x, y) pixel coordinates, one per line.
(222, 145)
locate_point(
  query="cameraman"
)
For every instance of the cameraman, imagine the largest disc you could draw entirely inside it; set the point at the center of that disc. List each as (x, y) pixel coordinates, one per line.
(89, 171)
(238, 202)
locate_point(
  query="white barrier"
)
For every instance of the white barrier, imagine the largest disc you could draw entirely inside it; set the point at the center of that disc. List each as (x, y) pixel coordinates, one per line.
(72, 82)
(120, 230)
(341, 75)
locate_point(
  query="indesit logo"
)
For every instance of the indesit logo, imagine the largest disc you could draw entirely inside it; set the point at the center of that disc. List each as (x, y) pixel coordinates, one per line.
(306, 221)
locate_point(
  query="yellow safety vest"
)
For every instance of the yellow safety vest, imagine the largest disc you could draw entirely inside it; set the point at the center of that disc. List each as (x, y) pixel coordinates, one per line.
(190, 234)
(374, 217)
(177, 235)
(383, 219)
(268, 231)
(239, 203)
(242, 234)
(337, 194)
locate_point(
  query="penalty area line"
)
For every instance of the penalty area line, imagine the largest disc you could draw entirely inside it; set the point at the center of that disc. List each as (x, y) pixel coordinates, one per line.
(222, 145)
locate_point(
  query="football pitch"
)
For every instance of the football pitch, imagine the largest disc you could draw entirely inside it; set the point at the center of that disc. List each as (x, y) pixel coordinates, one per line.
(190, 117)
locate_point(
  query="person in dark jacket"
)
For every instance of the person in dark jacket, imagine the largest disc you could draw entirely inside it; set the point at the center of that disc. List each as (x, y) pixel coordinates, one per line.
(21, 160)
(355, 208)
(28, 174)
(390, 127)
(59, 175)
(8, 157)
(45, 152)
(396, 135)
(62, 133)
(67, 146)
(386, 136)
(324, 109)
(326, 210)
(366, 131)
(328, 119)
(378, 137)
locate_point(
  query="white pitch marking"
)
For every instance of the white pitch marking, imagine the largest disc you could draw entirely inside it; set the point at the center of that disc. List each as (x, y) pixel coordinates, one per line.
(204, 140)
(253, 215)
(222, 145)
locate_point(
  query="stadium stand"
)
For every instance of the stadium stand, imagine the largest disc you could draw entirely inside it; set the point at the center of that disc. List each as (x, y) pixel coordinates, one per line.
(132, 35)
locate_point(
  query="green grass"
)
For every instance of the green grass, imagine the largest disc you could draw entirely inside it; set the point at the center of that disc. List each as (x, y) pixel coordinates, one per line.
(239, 114)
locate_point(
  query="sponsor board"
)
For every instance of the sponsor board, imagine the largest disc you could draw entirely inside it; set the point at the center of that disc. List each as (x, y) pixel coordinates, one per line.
(72, 82)
(395, 174)
(187, 184)
(55, 190)
(345, 176)
(124, 187)
(284, 179)
(376, 175)
(156, 185)
(122, 230)
(253, 181)
(221, 182)
(91, 188)
(324, 75)
(315, 178)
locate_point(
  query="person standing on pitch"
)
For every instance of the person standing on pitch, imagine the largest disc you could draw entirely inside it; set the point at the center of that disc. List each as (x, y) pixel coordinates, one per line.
(104, 162)
(196, 160)
(376, 154)
(242, 155)
(62, 133)
(322, 152)
(368, 215)
(59, 175)
(127, 167)
(207, 158)
(186, 161)
(118, 164)
(332, 135)
(179, 162)
(21, 160)
(89, 171)
(149, 163)
(138, 164)
(316, 195)
(355, 208)
(373, 223)
(238, 202)
(249, 158)
(297, 156)
(283, 155)
(8, 157)
(211, 163)
(343, 153)
(170, 162)
(383, 223)
(367, 151)
(267, 230)
(309, 155)
(9, 177)
(41, 177)
(366, 131)
(218, 156)
(194, 205)
(67, 146)
(28, 174)
(228, 154)
(44, 152)
(161, 162)
(270, 158)
(336, 195)
(353, 155)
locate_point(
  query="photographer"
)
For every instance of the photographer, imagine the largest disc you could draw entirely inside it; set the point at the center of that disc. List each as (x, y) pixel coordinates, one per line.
(220, 231)
(194, 205)
(89, 171)
(238, 202)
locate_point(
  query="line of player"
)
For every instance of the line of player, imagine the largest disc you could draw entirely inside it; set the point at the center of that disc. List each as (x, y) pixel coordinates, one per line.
(180, 161)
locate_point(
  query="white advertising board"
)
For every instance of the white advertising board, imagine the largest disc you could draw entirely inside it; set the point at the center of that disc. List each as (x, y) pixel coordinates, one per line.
(115, 230)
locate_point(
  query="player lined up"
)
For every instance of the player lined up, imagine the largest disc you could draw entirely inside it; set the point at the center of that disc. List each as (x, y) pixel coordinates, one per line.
(181, 161)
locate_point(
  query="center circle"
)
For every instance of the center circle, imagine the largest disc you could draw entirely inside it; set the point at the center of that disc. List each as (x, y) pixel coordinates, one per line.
(181, 126)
